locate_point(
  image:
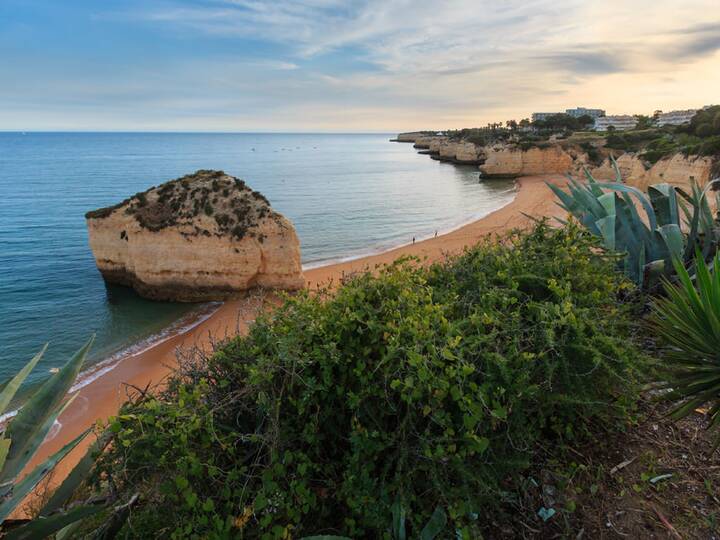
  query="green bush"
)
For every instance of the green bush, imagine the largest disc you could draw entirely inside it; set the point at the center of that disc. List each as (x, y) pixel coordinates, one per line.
(704, 130)
(401, 393)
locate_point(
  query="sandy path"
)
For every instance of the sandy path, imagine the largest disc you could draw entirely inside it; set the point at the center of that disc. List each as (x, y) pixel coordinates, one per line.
(103, 397)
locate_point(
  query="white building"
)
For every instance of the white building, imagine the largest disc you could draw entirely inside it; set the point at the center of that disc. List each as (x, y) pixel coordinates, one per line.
(577, 112)
(675, 118)
(619, 122)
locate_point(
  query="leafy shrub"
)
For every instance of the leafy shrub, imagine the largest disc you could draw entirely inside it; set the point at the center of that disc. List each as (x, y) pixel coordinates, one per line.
(704, 130)
(592, 152)
(710, 147)
(401, 393)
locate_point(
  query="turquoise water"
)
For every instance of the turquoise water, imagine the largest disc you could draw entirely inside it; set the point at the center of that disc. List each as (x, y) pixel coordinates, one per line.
(346, 195)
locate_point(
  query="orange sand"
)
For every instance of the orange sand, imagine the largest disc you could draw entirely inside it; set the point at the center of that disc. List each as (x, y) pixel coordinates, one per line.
(103, 397)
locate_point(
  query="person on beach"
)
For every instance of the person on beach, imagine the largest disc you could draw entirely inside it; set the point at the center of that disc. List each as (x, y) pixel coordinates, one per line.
(435, 234)
(413, 239)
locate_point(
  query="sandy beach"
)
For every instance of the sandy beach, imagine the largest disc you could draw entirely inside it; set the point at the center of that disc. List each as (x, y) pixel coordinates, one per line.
(102, 397)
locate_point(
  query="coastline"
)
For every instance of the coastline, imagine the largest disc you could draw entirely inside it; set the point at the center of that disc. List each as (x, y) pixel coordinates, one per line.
(102, 397)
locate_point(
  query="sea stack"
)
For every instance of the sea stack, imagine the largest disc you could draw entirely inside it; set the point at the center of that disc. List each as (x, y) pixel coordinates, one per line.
(201, 237)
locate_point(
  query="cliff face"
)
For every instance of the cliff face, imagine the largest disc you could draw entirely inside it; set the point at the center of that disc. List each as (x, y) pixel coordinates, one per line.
(512, 162)
(200, 237)
(557, 157)
(678, 170)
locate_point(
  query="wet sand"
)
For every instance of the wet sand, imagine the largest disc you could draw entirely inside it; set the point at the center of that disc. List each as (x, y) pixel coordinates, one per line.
(103, 397)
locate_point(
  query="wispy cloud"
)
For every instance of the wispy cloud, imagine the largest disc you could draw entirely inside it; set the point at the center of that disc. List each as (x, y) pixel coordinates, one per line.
(343, 59)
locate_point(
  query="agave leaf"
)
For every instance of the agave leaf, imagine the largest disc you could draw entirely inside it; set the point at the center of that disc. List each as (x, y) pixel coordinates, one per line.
(41, 432)
(608, 202)
(674, 240)
(26, 429)
(12, 387)
(398, 514)
(654, 271)
(607, 229)
(616, 168)
(566, 201)
(435, 525)
(640, 196)
(79, 473)
(27, 484)
(4, 447)
(664, 202)
(42, 527)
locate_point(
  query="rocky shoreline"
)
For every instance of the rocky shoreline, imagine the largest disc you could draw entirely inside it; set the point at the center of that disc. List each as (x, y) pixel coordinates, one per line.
(559, 157)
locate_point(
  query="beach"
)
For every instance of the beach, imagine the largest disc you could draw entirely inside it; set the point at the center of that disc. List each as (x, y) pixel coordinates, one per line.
(102, 397)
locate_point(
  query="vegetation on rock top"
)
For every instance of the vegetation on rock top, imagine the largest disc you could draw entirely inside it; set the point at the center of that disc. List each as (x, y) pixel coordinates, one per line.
(235, 208)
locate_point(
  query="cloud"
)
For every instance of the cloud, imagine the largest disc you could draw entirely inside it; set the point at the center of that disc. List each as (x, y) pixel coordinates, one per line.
(342, 59)
(587, 62)
(696, 41)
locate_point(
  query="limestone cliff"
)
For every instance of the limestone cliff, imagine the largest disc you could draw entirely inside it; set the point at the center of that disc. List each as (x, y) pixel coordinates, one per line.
(678, 170)
(203, 236)
(505, 161)
(508, 160)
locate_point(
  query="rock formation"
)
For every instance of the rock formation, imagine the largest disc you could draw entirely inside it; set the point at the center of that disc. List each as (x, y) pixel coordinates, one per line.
(678, 170)
(201, 237)
(559, 157)
(509, 162)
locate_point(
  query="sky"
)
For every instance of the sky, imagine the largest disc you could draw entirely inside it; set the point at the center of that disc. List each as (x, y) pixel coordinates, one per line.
(347, 66)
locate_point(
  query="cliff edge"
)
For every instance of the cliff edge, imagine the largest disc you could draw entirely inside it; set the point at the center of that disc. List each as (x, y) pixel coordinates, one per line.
(201, 237)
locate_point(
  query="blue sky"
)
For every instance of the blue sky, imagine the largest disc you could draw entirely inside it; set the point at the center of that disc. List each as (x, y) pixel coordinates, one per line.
(330, 65)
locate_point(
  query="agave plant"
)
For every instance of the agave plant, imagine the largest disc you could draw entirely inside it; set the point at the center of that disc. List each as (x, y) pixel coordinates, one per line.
(688, 318)
(673, 225)
(20, 441)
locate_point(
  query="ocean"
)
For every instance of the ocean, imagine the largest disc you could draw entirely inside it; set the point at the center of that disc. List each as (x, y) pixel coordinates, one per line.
(347, 194)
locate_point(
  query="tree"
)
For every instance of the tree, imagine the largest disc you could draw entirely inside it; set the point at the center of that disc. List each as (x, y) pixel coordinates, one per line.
(643, 122)
(704, 130)
(585, 120)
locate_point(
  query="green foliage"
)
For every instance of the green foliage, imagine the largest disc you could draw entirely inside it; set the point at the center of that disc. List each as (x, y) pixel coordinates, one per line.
(562, 122)
(689, 321)
(643, 121)
(704, 130)
(21, 440)
(675, 223)
(407, 401)
(705, 117)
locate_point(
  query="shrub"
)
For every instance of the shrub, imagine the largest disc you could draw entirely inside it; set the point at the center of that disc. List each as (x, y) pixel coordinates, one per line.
(415, 389)
(704, 130)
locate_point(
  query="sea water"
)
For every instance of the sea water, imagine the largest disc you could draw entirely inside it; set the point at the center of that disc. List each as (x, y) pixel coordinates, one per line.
(347, 194)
